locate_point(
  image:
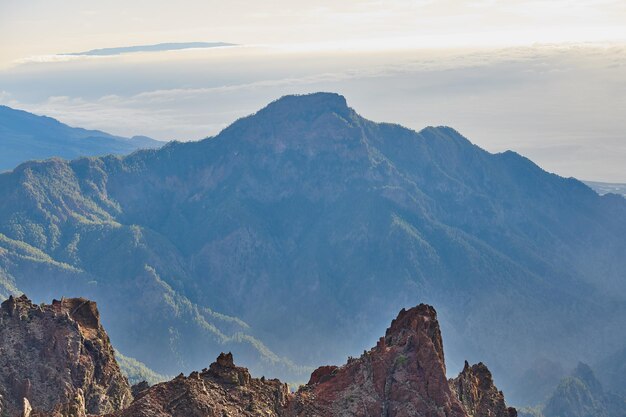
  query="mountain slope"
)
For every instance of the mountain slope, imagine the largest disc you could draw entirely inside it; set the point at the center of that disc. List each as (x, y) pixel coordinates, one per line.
(25, 136)
(306, 227)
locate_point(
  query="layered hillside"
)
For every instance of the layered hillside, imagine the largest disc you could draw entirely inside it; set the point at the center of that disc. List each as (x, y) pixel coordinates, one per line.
(296, 233)
(56, 358)
(25, 136)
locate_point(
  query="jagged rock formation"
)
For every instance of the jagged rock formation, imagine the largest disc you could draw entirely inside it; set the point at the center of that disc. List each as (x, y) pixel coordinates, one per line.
(57, 359)
(404, 375)
(479, 396)
(222, 390)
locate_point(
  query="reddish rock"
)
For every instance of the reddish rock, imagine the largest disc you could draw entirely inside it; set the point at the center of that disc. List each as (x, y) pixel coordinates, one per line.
(322, 374)
(479, 396)
(404, 375)
(222, 390)
(59, 358)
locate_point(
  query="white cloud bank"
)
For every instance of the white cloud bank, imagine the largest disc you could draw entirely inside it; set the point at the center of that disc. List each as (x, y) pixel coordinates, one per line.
(562, 106)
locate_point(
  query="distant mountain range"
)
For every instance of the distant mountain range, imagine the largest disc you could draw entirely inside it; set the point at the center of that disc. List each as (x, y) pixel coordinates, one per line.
(295, 235)
(607, 187)
(25, 136)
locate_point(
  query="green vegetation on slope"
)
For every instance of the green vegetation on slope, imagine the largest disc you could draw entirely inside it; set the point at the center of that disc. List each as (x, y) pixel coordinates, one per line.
(136, 371)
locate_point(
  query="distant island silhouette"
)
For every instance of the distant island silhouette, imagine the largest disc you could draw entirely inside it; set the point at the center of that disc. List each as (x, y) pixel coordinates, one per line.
(150, 48)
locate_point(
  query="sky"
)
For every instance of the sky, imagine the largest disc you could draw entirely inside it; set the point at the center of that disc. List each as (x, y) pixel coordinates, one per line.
(542, 77)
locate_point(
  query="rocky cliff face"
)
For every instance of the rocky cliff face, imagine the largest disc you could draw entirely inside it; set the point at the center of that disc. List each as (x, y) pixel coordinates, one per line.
(57, 362)
(57, 359)
(476, 391)
(403, 375)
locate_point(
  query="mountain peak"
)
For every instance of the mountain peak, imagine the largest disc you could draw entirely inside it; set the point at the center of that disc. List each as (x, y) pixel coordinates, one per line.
(479, 396)
(317, 103)
(403, 375)
(421, 317)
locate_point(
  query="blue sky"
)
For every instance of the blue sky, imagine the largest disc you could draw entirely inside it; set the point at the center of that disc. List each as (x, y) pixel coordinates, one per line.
(544, 78)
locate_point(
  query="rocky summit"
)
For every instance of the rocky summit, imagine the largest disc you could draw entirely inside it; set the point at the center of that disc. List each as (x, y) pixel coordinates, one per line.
(222, 390)
(479, 396)
(57, 360)
(403, 375)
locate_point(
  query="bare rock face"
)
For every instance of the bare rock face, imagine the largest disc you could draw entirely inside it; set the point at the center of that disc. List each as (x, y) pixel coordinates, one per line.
(404, 375)
(475, 389)
(57, 359)
(222, 390)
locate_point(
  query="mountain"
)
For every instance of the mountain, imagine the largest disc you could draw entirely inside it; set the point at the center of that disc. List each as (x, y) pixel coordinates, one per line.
(25, 136)
(580, 395)
(294, 235)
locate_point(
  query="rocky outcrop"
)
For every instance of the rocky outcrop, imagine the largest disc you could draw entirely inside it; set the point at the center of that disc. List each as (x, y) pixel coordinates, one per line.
(476, 391)
(57, 359)
(222, 390)
(404, 375)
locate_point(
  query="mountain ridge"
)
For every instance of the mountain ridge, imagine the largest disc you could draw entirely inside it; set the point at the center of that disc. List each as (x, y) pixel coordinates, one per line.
(25, 136)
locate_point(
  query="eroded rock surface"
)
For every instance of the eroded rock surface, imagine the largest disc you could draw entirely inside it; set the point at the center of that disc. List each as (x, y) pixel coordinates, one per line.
(479, 396)
(57, 361)
(404, 375)
(59, 358)
(222, 390)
